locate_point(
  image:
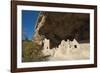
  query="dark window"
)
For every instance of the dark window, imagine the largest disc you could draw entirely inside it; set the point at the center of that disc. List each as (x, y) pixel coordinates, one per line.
(75, 46)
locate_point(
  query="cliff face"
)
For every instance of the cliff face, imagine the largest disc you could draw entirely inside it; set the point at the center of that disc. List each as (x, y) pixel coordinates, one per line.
(62, 26)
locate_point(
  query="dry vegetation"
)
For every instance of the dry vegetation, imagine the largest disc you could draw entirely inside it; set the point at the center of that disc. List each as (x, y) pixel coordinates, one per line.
(31, 52)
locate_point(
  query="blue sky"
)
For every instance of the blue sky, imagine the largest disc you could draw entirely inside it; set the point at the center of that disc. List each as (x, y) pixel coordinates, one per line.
(29, 19)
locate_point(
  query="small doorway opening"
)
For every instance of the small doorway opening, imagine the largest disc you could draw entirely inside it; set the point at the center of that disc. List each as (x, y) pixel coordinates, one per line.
(75, 46)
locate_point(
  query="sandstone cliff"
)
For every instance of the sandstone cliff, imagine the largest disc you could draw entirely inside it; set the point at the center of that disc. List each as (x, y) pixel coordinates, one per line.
(61, 26)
